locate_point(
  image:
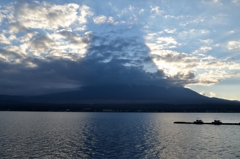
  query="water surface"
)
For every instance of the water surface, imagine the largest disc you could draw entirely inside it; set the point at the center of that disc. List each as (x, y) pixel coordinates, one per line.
(116, 135)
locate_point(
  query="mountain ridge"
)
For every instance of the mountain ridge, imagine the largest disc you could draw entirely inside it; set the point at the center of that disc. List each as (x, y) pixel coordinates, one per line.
(159, 94)
(120, 98)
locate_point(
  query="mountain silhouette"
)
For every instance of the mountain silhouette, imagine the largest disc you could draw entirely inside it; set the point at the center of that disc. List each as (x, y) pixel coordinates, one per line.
(151, 93)
(120, 98)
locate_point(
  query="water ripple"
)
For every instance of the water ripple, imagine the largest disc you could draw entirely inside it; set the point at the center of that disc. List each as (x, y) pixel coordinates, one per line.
(115, 135)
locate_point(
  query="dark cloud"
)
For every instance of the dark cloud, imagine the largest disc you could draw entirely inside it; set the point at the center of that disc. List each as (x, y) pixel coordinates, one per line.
(115, 60)
(175, 57)
(62, 74)
(75, 38)
(10, 54)
(182, 79)
(114, 72)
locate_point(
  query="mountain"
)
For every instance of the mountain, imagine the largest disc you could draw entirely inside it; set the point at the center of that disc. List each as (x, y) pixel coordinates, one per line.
(139, 96)
(122, 93)
(129, 93)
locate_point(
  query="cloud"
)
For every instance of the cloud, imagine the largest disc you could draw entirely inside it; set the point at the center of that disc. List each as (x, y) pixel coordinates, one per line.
(235, 2)
(231, 32)
(169, 31)
(63, 74)
(17, 27)
(9, 55)
(183, 78)
(233, 45)
(202, 50)
(109, 59)
(162, 42)
(114, 72)
(206, 41)
(170, 56)
(212, 94)
(49, 15)
(100, 19)
(75, 38)
(84, 14)
(156, 10)
(194, 69)
(27, 37)
(42, 44)
(48, 47)
(111, 21)
(46, 77)
(2, 16)
(3, 39)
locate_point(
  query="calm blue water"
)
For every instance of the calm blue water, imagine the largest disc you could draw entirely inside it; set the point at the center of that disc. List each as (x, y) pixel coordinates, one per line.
(116, 135)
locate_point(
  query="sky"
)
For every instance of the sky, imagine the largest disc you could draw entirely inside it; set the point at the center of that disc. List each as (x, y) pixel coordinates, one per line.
(62, 45)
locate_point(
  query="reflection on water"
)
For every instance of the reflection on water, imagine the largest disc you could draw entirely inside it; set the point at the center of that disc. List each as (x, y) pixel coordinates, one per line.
(116, 135)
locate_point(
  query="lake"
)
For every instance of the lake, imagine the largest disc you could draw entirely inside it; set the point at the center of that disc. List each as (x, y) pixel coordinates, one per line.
(117, 135)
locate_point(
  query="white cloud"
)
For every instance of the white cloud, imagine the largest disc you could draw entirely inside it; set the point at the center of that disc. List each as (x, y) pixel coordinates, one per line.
(131, 8)
(174, 17)
(206, 41)
(167, 40)
(203, 70)
(170, 31)
(161, 42)
(1, 17)
(202, 50)
(156, 10)
(12, 37)
(84, 14)
(100, 19)
(27, 37)
(141, 11)
(212, 94)
(47, 15)
(233, 45)
(12, 48)
(4, 40)
(231, 32)
(84, 27)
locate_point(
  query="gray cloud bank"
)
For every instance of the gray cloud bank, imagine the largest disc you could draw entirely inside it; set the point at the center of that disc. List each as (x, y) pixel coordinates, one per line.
(113, 61)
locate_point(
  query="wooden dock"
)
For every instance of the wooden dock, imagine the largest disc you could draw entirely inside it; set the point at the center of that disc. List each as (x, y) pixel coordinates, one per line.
(206, 123)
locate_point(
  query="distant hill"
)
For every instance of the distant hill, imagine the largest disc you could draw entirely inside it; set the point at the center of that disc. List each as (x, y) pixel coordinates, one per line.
(174, 95)
(125, 95)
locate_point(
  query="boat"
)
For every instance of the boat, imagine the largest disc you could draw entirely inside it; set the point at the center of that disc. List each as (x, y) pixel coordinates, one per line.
(198, 121)
(216, 122)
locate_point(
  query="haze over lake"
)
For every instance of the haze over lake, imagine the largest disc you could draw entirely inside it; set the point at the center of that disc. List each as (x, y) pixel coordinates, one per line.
(116, 135)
